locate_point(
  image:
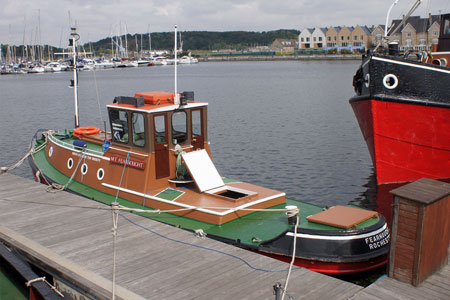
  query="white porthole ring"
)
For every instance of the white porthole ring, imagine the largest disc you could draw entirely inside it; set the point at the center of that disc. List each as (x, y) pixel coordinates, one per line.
(390, 81)
(70, 163)
(367, 80)
(84, 169)
(100, 174)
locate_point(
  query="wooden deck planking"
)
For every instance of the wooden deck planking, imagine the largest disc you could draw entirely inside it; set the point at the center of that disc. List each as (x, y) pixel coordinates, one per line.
(157, 267)
(435, 287)
(154, 267)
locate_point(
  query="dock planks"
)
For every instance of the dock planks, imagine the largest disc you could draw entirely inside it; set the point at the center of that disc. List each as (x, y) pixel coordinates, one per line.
(77, 242)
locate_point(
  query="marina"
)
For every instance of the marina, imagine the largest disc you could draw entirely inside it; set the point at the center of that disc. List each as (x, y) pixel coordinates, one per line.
(157, 156)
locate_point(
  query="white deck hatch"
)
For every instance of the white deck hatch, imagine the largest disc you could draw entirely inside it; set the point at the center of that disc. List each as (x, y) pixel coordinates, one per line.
(202, 170)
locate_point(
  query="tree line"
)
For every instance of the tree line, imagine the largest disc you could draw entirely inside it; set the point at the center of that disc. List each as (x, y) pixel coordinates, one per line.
(196, 40)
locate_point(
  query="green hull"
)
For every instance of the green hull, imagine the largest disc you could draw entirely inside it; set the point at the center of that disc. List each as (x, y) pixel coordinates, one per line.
(251, 229)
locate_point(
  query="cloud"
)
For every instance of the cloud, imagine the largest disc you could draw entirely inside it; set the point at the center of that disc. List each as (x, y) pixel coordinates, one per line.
(98, 19)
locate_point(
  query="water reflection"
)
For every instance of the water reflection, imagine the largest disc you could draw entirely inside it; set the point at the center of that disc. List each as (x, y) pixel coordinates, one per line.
(379, 197)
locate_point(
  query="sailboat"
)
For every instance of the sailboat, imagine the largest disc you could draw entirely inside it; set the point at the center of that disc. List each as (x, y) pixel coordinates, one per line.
(156, 161)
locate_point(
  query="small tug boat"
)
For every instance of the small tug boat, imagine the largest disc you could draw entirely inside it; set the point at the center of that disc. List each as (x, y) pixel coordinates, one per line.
(403, 110)
(157, 157)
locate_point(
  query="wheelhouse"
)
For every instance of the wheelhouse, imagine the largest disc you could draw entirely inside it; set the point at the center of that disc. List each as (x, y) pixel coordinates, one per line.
(152, 123)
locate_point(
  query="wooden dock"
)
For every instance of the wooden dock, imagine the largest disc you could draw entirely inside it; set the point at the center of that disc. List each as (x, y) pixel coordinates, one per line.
(66, 234)
(70, 237)
(435, 287)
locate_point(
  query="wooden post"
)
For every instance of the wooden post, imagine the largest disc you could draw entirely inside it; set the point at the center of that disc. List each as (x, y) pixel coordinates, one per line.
(420, 230)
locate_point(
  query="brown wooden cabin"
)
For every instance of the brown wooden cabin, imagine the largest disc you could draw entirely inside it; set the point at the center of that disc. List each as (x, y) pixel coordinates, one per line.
(151, 123)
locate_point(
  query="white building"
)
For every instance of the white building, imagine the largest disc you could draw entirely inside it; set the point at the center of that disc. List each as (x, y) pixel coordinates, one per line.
(318, 37)
(305, 38)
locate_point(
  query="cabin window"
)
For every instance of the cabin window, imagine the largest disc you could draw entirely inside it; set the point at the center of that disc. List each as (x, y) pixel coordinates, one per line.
(119, 125)
(196, 123)
(160, 129)
(138, 129)
(179, 127)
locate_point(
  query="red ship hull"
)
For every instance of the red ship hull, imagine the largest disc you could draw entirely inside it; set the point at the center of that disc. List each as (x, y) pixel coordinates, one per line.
(331, 268)
(406, 141)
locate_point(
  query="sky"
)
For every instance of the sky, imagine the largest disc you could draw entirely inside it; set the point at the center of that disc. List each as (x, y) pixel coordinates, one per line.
(97, 19)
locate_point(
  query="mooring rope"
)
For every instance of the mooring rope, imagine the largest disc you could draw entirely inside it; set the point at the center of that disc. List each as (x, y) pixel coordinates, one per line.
(291, 211)
(121, 178)
(56, 187)
(52, 287)
(115, 221)
(31, 151)
(204, 247)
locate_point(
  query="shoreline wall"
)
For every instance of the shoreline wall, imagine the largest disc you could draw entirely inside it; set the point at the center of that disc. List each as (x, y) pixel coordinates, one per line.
(278, 57)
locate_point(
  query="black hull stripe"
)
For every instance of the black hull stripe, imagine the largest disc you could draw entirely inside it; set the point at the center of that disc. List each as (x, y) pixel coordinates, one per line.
(399, 100)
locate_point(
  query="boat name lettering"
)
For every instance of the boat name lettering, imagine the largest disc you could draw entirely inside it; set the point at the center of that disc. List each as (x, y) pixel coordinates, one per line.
(378, 240)
(132, 163)
(87, 157)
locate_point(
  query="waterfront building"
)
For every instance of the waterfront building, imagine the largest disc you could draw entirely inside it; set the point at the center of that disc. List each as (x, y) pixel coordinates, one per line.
(361, 37)
(319, 37)
(305, 38)
(332, 36)
(284, 45)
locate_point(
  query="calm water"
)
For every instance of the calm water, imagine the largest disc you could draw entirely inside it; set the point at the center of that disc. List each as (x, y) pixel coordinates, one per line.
(285, 125)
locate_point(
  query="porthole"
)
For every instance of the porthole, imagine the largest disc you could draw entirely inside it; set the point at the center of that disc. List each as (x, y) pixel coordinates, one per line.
(84, 169)
(50, 152)
(390, 81)
(367, 81)
(100, 174)
(70, 163)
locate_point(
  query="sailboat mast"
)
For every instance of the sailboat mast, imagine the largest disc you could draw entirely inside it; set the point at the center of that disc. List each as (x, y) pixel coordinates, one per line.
(149, 40)
(72, 42)
(176, 100)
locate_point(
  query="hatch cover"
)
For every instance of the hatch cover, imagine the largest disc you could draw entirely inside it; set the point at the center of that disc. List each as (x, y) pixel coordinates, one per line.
(202, 170)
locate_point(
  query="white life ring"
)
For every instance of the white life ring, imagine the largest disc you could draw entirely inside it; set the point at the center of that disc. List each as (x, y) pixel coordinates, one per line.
(390, 81)
(367, 80)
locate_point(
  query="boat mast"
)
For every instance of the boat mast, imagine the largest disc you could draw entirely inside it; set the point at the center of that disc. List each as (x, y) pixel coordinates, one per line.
(74, 37)
(176, 99)
(149, 41)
